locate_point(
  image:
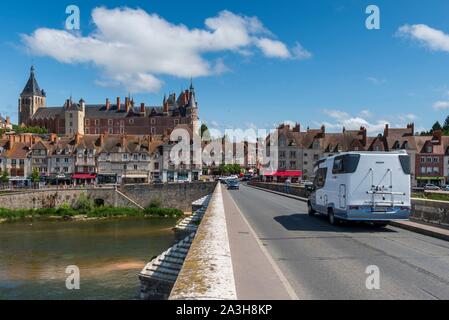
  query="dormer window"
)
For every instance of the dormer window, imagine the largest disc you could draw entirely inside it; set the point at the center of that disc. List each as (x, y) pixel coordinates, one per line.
(429, 149)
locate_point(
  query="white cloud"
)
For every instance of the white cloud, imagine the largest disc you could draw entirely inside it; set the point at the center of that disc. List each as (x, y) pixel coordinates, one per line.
(342, 119)
(133, 48)
(273, 48)
(365, 114)
(441, 105)
(407, 117)
(376, 81)
(430, 38)
(300, 53)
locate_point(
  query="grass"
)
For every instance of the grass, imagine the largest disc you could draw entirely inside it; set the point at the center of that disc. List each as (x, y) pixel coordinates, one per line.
(98, 212)
(431, 196)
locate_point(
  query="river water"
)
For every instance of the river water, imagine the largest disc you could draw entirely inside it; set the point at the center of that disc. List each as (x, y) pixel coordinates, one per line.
(34, 256)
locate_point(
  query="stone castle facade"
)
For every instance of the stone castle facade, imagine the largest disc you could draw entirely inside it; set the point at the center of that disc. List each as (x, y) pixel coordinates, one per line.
(118, 117)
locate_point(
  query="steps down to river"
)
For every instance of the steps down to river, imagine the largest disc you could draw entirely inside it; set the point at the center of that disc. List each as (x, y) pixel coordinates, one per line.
(201, 203)
(190, 224)
(159, 276)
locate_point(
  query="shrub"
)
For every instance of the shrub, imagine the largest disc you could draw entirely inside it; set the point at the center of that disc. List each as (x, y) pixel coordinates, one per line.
(106, 212)
(155, 203)
(84, 204)
(164, 212)
(65, 210)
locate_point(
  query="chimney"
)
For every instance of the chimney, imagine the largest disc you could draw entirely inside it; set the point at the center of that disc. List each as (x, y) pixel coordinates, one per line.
(127, 104)
(186, 97)
(387, 127)
(166, 109)
(108, 104)
(142, 107)
(53, 137)
(437, 135)
(364, 134)
(323, 131)
(118, 104)
(411, 126)
(8, 120)
(344, 129)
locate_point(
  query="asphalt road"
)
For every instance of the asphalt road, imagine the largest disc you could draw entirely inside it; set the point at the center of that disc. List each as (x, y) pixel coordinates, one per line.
(321, 261)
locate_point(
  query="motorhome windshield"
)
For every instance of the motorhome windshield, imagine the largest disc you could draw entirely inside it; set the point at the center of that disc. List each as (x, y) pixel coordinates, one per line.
(346, 164)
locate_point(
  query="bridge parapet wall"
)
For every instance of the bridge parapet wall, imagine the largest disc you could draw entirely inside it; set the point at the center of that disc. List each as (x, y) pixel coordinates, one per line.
(207, 273)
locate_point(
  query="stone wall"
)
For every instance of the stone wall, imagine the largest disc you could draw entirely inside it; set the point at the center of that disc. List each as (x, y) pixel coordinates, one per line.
(430, 211)
(207, 273)
(280, 187)
(179, 196)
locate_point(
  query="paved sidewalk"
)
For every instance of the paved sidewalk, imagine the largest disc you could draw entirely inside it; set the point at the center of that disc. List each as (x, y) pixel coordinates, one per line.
(421, 228)
(257, 277)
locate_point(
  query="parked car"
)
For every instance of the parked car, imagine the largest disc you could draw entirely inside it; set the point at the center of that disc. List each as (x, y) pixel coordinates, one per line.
(360, 186)
(431, 187)
(233, 184)
(446, 188)
(309, 186)
(223, 180)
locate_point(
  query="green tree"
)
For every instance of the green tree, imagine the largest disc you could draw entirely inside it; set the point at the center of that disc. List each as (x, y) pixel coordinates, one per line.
(436, 126)
(35, 177)
(205, 134)
(84, 203)
(35, 130)
(5, 177)
(446, 126)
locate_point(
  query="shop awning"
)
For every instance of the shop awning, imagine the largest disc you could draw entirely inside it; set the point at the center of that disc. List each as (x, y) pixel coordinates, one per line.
(19, 179)
(430, 178)
(135, 176)
(284, 174)
(84, 176)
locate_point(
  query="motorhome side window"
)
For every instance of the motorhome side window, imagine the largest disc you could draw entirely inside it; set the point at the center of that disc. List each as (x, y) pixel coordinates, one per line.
(320, 178)
(346, 164)
(405, 163)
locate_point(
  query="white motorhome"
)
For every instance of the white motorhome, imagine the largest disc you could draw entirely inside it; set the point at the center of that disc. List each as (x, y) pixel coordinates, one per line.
(363, 186)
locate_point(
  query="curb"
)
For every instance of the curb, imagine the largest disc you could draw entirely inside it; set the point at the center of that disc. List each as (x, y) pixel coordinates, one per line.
(426, 232)
(423, 231)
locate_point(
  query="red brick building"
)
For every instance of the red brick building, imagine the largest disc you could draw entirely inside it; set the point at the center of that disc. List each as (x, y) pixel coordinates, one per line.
(111, 117)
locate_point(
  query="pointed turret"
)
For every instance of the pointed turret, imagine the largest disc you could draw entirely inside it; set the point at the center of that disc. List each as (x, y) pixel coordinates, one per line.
(32, 87)
(192, 96)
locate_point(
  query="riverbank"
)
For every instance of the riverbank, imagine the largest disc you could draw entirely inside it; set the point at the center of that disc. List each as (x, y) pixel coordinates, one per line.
(71, 214)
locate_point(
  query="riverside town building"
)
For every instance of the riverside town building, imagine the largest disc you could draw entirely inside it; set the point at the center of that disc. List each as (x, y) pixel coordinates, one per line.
(123, 143)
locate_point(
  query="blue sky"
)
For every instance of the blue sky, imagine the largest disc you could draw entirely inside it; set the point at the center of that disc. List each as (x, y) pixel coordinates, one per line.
(344, 74)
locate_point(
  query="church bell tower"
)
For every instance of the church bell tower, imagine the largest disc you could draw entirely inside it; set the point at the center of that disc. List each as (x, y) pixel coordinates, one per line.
(31, 99)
